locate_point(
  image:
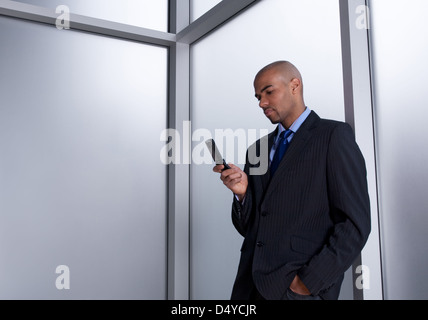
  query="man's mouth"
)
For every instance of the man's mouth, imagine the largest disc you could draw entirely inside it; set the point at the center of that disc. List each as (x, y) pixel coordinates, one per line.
(268, 112)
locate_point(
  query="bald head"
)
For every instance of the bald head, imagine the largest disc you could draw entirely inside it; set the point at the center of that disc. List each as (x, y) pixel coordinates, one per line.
(284, 68)
(279, 89)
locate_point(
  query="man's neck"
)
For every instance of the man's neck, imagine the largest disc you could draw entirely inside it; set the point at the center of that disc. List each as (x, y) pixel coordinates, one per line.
(287, 123)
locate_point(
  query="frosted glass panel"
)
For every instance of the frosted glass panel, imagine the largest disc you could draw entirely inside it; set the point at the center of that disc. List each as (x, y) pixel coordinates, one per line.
(151, 14)
(200, 7)
(223, 68)
(401, 75)
(81, 182)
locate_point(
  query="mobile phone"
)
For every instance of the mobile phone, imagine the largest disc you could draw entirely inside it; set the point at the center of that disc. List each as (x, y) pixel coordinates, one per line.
(215, 154)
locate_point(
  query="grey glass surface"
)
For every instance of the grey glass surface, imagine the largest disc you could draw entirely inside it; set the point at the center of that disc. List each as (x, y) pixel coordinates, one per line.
(400, 76)
(200, 7)
(81, 182)
(151, 14)
(223, 68)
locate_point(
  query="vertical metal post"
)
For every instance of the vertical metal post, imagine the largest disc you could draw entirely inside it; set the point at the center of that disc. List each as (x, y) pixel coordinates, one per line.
(179, 174)
(354, 20)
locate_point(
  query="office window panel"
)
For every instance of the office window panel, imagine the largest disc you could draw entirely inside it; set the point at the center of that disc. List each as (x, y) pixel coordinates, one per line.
(81, 182)
(400, 72)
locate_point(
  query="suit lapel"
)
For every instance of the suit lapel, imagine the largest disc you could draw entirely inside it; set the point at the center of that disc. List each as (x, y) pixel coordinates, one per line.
(297, 145)
(262, 181)
(266, 177)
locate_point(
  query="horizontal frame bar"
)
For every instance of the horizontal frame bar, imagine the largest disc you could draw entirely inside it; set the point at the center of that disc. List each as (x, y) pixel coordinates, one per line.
(83, 23)
(215, 17)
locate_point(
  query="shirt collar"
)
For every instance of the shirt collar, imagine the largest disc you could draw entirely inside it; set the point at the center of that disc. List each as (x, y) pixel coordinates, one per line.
(297, 124)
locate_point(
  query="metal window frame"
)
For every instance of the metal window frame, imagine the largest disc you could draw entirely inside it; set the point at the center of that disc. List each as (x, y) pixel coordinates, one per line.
(182, 34)
(83, 23)
(358, 110)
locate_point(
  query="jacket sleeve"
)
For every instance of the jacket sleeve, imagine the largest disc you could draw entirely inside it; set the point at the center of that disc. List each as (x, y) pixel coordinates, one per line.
(349, 209)
(241, 212)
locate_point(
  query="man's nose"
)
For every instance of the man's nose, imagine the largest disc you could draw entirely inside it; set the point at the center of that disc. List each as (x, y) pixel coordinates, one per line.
(263, 103)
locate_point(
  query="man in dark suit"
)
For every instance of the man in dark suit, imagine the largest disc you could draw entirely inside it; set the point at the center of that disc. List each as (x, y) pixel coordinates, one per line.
(306, 219)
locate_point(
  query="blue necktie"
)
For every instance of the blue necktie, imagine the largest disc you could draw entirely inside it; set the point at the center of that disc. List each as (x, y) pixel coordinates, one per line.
(281, 148)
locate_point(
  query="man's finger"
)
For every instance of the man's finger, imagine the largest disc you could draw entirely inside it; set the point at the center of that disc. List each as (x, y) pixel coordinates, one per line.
(232, 176)
(218, 168)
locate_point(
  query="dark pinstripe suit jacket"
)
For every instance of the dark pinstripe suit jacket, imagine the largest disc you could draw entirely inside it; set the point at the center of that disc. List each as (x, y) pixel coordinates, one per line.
(312, 218)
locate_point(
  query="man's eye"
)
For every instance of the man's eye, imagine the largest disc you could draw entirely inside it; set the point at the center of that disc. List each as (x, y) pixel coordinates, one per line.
(269, 92)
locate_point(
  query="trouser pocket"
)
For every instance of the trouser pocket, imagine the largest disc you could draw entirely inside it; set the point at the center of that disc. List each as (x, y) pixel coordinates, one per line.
(291, 295)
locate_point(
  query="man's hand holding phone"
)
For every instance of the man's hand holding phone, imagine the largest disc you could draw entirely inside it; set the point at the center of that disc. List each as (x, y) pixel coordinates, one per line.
(232, 176)
(234, 179)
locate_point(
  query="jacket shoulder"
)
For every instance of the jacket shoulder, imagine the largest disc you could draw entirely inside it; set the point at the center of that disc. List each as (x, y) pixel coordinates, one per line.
(334, 126)
(328, 123)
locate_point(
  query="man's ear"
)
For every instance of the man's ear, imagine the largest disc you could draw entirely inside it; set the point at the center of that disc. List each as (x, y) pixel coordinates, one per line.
(295, 85)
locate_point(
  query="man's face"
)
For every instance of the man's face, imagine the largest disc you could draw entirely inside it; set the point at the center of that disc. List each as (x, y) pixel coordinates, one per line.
(274, 96)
